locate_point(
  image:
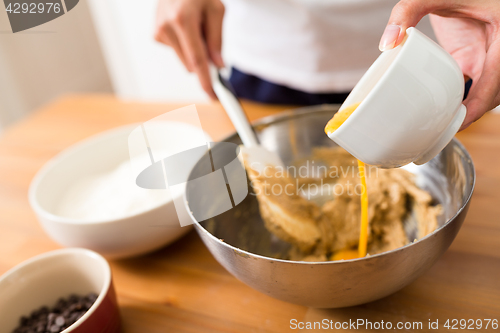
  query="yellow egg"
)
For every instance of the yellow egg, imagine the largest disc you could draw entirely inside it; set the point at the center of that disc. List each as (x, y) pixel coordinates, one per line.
(338, 119)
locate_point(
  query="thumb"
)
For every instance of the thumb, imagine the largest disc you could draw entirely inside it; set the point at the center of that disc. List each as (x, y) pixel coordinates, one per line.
(406, 13)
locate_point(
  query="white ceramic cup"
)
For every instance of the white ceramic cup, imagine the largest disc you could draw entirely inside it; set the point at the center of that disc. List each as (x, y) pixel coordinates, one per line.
(411, 105)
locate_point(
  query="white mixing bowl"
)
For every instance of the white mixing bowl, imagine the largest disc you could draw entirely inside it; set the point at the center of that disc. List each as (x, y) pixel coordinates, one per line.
(117, 237)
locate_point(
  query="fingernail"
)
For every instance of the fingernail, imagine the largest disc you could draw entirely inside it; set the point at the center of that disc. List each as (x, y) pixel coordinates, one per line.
(218, 59)
(464, 126)
(389, 37)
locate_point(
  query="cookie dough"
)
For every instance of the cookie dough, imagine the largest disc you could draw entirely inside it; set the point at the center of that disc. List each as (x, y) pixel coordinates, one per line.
(315, 205)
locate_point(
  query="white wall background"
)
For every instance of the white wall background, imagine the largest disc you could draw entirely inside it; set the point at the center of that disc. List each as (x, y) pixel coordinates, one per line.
(141, 68)
(39, 64)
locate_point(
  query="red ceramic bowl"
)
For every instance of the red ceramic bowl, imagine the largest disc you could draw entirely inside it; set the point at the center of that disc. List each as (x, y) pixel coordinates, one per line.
(44, 279)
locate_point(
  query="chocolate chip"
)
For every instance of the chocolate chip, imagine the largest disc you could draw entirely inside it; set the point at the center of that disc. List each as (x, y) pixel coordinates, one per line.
(56, 319)
(60, 321)
(55, 328)
(40, 328)
(51, 316)
(92, 297)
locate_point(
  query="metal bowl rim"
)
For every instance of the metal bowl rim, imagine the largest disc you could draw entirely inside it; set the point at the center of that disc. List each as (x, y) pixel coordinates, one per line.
(286, 115)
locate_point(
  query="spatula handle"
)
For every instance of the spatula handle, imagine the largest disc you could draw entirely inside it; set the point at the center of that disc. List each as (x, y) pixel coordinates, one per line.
(233, 108)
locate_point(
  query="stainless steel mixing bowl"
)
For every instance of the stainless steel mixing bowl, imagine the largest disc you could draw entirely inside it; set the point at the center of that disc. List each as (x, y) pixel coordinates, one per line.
(240, 242)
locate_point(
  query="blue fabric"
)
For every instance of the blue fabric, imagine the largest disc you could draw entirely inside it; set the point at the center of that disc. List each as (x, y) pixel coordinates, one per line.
(468, 84)
(256, 89)
(251, 87)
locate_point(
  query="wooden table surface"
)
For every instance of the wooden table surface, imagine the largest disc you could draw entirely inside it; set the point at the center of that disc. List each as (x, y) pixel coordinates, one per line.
(181, 288)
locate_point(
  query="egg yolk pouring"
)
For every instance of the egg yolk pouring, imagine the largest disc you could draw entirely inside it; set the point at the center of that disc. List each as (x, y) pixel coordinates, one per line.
(364, 210)
(338, 119)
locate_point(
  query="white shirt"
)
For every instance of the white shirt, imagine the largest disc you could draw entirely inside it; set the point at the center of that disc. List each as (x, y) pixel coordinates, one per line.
(310, 45)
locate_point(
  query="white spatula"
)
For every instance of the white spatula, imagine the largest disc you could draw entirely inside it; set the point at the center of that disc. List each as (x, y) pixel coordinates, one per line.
(256, 156)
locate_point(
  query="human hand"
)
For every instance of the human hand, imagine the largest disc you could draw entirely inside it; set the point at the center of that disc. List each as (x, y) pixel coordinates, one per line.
(470, 31)
(193, 28)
